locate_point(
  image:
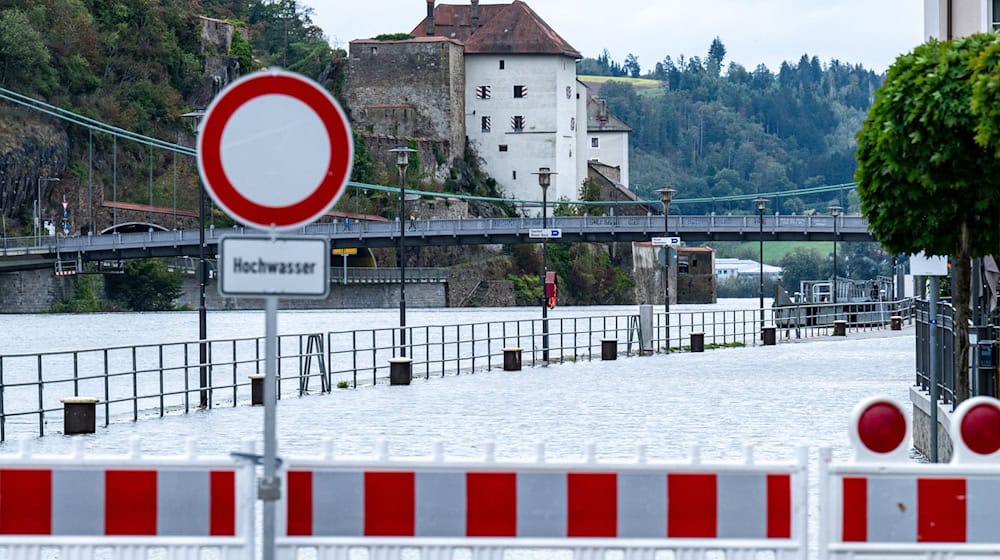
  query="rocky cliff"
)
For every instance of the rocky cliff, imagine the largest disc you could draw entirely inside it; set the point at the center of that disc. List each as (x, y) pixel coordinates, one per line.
(32, 150)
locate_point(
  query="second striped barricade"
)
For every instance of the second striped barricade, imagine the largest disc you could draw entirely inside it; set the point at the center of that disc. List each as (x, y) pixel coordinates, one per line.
(887, 506)
(433, 506)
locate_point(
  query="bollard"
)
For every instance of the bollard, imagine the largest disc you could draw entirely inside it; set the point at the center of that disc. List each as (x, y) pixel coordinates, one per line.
(840, 328)
(768, 335)
(79, 415)
(256, 389)
(512, 359)
(896, 322)
(609, 348)
(697, 341)
(400, 372)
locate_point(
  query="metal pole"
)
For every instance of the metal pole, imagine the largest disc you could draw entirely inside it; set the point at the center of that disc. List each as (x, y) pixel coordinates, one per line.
(202, 311)
(933, 369)
(402, 261)
(545, 272)
(666, 276)
(269, 489)
(761, 292)
(835, 315)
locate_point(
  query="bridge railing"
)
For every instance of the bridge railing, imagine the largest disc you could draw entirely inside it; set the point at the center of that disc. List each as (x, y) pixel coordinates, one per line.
(133, 382)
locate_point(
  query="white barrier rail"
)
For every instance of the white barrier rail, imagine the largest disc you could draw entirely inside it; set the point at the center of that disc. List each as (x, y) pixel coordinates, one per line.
(425, 508)
(125, 506)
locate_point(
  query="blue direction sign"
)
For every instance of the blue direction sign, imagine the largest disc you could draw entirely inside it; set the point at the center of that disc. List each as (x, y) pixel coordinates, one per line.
(552, 233)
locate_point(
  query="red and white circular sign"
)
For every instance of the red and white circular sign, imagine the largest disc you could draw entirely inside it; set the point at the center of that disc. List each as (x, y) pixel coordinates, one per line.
(275, 150)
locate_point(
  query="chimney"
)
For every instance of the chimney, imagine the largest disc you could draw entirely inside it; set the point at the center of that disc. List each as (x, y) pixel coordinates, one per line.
(475, 15)
(602, 110)
(430, 18)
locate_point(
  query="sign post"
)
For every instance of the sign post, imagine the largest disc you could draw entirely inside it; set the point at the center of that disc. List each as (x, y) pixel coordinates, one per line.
(274, 151)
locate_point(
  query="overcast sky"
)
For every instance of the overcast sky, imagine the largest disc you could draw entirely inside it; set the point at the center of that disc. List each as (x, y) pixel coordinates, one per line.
(870, 32)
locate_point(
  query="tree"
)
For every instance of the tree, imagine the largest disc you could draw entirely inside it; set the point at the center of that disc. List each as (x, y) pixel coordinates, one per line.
(147, 285)
(924, 182)
(631, 66)
(797, 265)
(716, 54)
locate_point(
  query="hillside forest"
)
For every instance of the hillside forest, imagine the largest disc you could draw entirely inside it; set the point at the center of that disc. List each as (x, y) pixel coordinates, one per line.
(707, 128)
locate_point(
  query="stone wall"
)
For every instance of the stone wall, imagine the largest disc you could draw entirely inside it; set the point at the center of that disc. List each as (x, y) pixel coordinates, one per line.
(33, 291)
(922, 426)
(413, 89)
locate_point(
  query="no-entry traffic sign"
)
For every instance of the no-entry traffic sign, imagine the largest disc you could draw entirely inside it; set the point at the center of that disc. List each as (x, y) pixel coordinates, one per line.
(275, 150)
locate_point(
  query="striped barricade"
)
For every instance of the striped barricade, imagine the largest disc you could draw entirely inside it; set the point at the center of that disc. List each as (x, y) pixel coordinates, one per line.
(334, 507)
(81, 506)
(885, 505)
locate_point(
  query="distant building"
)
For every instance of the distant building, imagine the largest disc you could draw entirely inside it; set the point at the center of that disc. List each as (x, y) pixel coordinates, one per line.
(495, 76)
(743, 268)
(966, 18)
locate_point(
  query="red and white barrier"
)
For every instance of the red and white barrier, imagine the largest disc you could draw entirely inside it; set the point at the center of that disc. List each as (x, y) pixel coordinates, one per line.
(885, 505)
(385, 506)
(186, 505)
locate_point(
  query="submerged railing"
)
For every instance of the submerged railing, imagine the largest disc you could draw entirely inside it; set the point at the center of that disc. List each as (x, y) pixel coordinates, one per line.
(132, 382)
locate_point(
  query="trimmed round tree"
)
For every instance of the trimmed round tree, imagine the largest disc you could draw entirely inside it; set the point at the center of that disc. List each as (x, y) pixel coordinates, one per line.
(924, 182)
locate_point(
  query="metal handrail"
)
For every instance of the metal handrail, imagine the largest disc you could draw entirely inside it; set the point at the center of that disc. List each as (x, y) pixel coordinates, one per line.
(157, 379)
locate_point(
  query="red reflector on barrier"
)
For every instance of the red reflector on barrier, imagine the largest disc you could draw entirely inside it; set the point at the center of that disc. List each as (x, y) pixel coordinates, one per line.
(25, 502)
(882, 427)
(981, 429)
(130, 502)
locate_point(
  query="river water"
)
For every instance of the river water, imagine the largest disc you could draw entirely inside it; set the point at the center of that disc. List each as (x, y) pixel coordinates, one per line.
(773, 397)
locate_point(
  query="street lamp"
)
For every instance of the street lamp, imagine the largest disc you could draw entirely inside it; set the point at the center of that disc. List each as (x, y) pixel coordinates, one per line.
(402, 161)
(666, 195)
(544, 181)
(835, 212)
(202, 281)
(761, 203)
(38, 206)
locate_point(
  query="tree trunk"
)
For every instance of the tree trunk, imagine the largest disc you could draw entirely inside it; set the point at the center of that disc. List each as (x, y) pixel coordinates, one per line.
(963, 273)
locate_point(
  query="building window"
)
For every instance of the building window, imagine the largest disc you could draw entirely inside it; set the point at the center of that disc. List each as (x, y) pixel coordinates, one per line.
(595, 143)
(514, 175)
(517, 123)
(503, 147)
(572, 123)
(486, 124)
(569, 92)
(520, 91)
(501, 64)
(374, 50)
(995, 16)
(483, 92)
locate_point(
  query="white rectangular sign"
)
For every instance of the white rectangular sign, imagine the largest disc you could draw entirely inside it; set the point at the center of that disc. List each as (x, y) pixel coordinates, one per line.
(666, 241)
(921, 265)
(280, 267)
(552, 233)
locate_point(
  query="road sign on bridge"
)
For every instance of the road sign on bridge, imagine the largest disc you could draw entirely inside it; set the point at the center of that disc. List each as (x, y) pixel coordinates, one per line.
(551, 233)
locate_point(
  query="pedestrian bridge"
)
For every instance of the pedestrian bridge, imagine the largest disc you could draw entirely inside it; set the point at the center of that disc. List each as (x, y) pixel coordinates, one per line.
(29, 253)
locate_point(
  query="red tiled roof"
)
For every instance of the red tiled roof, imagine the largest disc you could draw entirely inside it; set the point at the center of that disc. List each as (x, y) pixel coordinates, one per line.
(503, 28)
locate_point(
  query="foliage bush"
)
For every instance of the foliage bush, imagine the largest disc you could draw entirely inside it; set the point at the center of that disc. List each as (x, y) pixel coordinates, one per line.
(147, 285)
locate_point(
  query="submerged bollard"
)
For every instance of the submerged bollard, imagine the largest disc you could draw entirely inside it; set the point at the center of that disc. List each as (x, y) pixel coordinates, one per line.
(840, 328)
(400, 372)
(79, 415)
(697, 341)
(769, 336)
(609, 348)
(896, 322)
(256, 389)
(512, 359)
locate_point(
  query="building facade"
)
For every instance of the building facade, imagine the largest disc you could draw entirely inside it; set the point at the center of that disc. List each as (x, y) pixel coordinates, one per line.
(494, 77)
(965, 18)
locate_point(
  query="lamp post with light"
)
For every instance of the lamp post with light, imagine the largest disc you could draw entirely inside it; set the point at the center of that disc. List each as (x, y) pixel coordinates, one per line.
(761, 203)
(835, 212)
(544, 181)
(402, 161)
(666, 195)
(38, 206)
